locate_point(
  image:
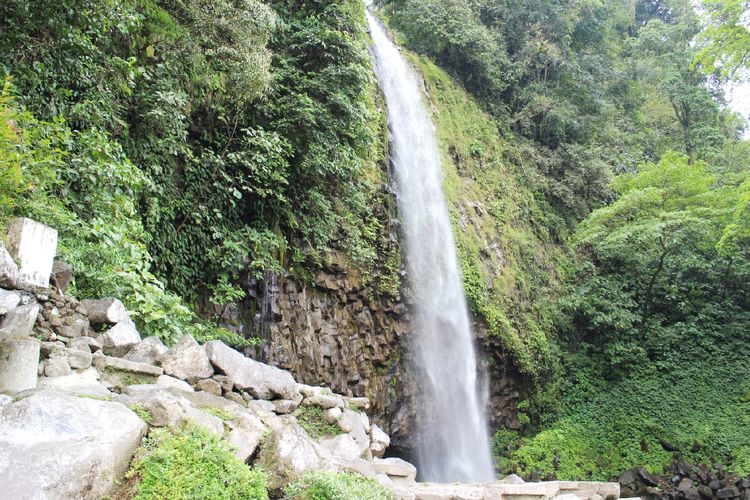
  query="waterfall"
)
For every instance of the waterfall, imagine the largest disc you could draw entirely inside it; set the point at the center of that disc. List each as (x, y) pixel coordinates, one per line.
(453, 436)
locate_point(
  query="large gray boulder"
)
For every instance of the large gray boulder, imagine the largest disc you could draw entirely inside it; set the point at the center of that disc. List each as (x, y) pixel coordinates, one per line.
(19, 360)
(54, 445)
(8, 300)
(33, 246)
(105, 311)
(261, 380)
(119, 339)
(147, 350)
(186, 360)
(19, 322)
(287, 453)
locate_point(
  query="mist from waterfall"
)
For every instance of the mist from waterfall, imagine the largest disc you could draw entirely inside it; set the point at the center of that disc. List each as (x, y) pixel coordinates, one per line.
(453, 436)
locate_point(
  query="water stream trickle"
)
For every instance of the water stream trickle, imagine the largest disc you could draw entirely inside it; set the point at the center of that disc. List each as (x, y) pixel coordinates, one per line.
(453, 439)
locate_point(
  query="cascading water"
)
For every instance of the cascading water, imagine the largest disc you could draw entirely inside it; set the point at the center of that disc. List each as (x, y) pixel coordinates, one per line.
(453, 440)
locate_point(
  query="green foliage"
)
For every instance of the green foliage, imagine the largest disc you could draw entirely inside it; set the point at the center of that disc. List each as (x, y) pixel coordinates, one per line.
(221, 413)
(142, 413)
(193, 463)
(725, 40)
(323, 485)
(313, 420)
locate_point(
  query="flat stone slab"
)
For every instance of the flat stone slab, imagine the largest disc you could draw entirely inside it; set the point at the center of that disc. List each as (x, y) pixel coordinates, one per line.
(546, 490)
(102, 362)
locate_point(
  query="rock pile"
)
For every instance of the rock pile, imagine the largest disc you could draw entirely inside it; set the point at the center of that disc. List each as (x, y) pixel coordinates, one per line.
(686, 481)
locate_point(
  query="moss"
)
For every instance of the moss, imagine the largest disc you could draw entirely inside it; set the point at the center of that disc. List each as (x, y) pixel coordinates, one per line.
(510, 269)
(313, 420)
(122, 378)
(221, 413)
(142, 413)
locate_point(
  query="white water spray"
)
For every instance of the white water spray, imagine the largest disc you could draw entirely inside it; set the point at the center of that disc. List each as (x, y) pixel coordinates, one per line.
(453, 440)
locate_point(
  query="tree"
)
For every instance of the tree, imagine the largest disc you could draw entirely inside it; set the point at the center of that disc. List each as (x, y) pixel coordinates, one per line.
(725, 39)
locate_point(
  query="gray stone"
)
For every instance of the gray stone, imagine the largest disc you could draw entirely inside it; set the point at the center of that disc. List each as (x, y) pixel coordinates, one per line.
(8, 268)
(332, 415)
(57, 365)
(19, 361)
(86, 344)
(147, 350)
(186, 360)
(512, 479)
(209, 385)
(357, 425)
(309, 390)
(261, 380)
(358, 403)
(78, 359)
(284, 406)
(288, 454)
(395, 467)
(246, 432)
(203, 399)
(84, 382)
(62, 275)
(324, 401)
(5, 400)
(60, 446)
(119, 339)
(33, 246)
(8, 300)
(233, 396)
(19, 322)
(166, 381)
(108, 311)
(102, 362)
(226, 383)
(342, 447)
(379, 441)
(79, 327)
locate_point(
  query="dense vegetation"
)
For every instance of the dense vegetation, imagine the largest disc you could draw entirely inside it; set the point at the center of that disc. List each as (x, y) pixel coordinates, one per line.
(610, 176)
(182, 148)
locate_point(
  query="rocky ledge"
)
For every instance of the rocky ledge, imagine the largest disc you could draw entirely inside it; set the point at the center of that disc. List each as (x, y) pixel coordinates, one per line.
(80, 388)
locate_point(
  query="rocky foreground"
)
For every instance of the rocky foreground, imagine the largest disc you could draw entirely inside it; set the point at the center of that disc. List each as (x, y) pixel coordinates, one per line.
(81, 388)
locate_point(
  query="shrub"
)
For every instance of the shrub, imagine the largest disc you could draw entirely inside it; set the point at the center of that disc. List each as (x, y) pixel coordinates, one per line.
(320, 485)
(193, 463)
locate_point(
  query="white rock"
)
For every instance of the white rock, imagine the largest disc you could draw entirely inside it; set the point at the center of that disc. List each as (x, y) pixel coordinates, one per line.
(332, 415)
(324, 401)
(246, 432)
(78, 359)
(512, 479)
(209, 385)
(19, 360)
(119, 339)
(8, 300)
(167, 381)
(34, 246)
(168, 409)
(261, 380)
(395, 467)
(342, 447)
(57, 366)
(289, 453)
(379, 441)
(19, 322)
(147, 350)
(84, 382)
(309, 390)
(284, 406)
(86, 344)
(186, 360)
(105, 311)
(59, 446)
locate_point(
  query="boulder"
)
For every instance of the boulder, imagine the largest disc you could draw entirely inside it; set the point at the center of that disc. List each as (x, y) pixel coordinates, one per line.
(147, 350)
(357, 425)
(8, 300)
(233, 396)
(310, 390)
(75, 327)
(86, 344)
(284, 406)
(57, 365)
(226, 383)
(512, 479)
(106, 311)
(102, 363)
(261, 380)
(60, 446)
(246, 432)
(166, 381)
(62, 275)
(395, 467)
(19, 359)
(287, 453)
(33, 246)
(119, 339)
(332, 415)
(379, 441)
(208, 385)
(84, 382)
(342, 447)
(186, 360)
(324, 401)
(19, 322)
